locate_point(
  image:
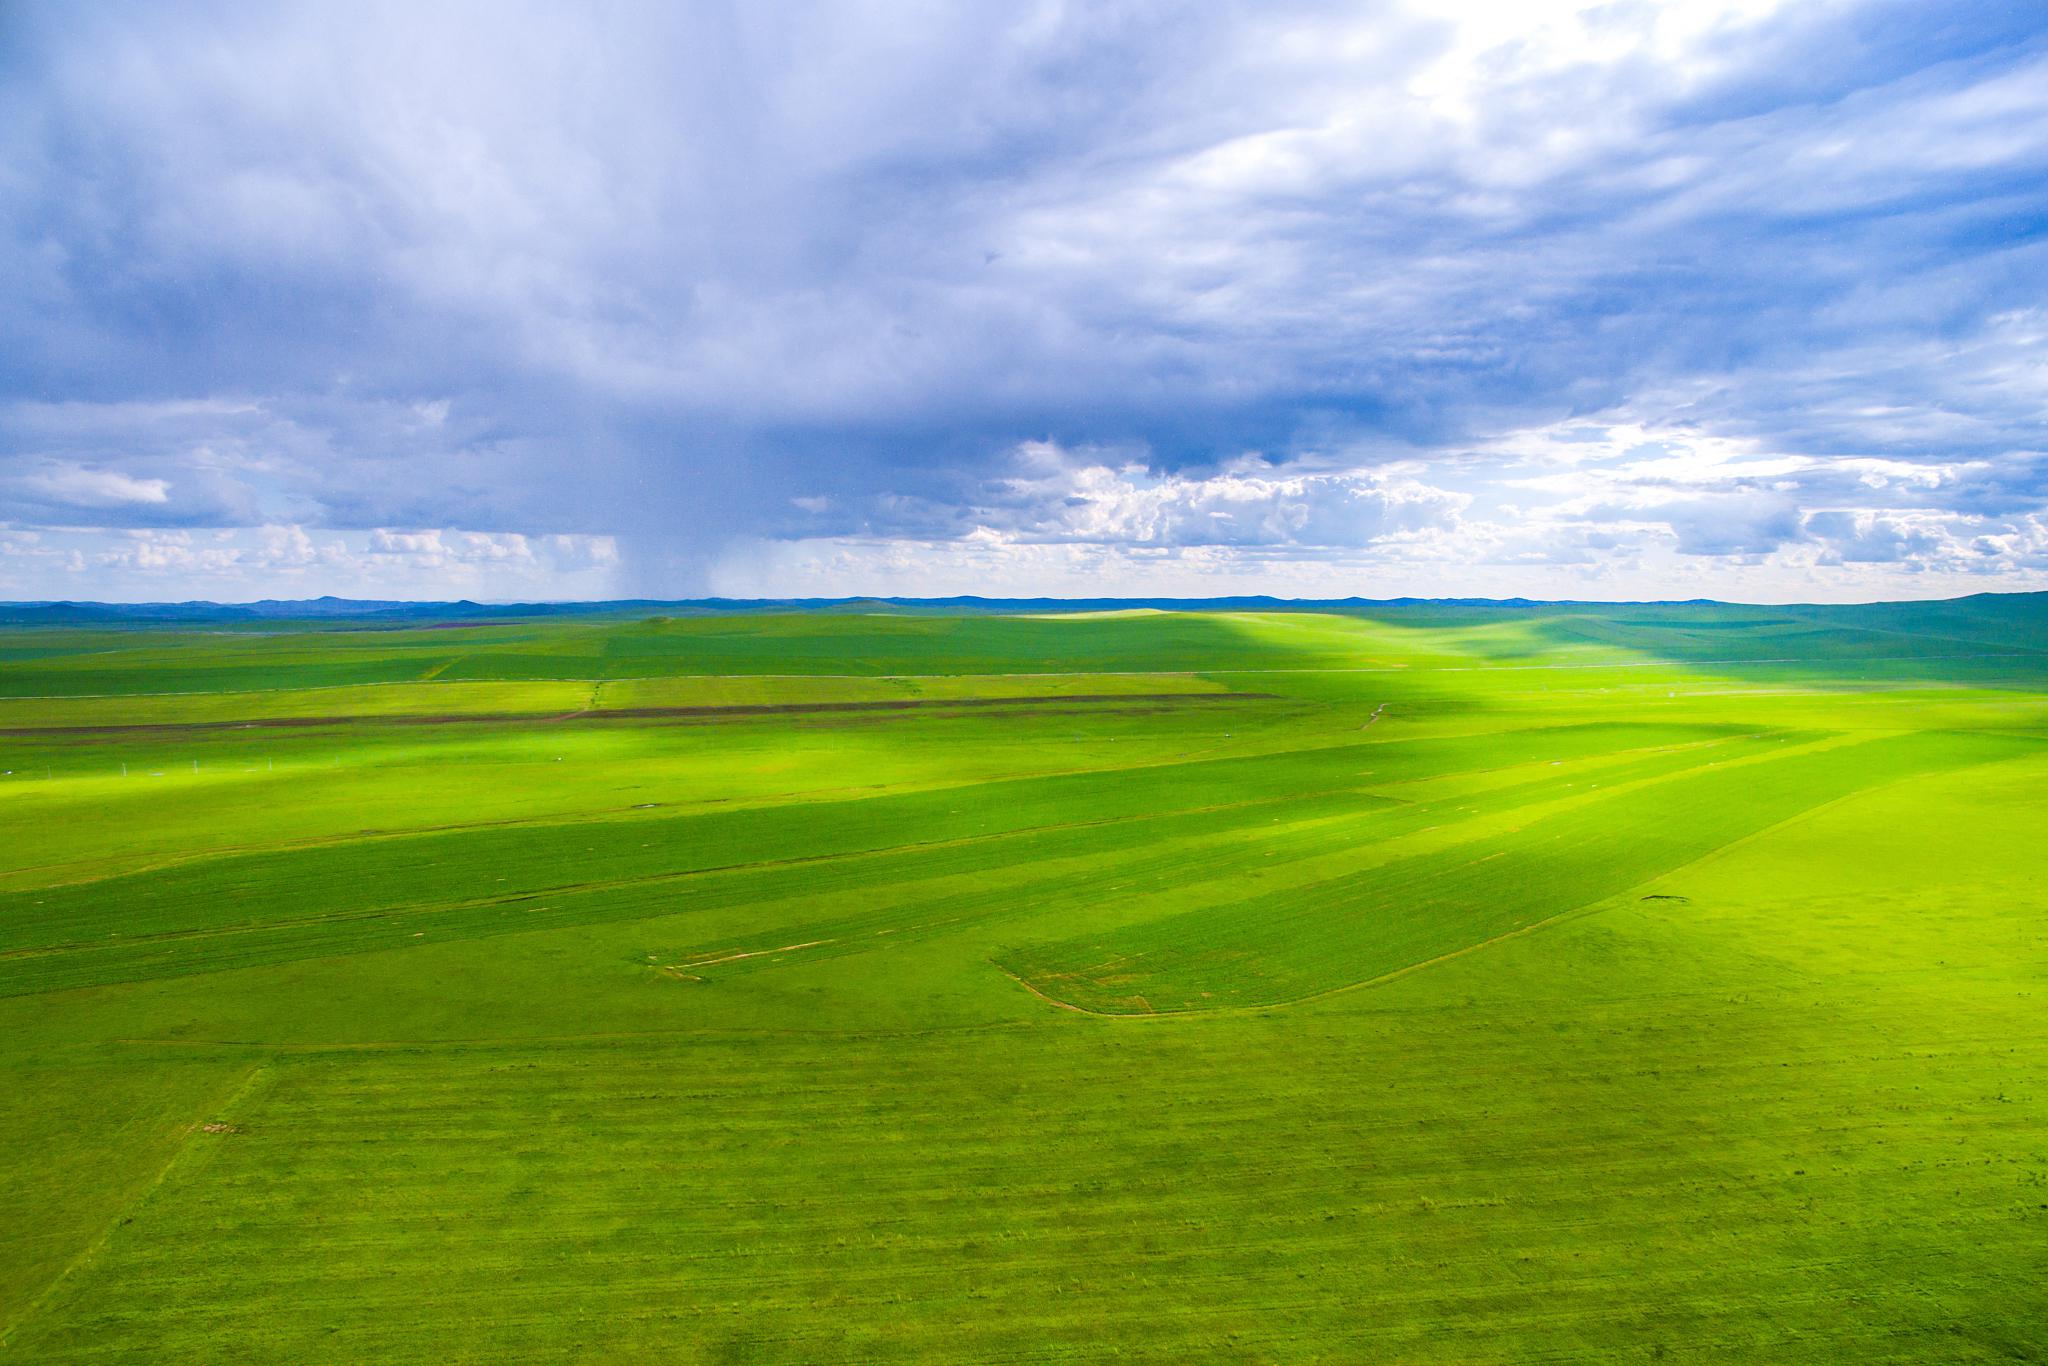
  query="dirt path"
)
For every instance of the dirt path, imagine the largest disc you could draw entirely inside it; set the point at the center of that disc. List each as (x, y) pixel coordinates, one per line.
(1093, 700)
(1053, 1001)
(750, 953)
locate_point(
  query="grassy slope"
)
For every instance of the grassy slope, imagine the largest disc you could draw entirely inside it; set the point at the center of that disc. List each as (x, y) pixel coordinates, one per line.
(694, 1042)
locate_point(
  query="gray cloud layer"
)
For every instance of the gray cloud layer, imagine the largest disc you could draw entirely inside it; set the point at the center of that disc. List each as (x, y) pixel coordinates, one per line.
(747, 288)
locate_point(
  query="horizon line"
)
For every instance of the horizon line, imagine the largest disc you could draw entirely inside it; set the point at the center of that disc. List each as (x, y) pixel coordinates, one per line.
(334, 603)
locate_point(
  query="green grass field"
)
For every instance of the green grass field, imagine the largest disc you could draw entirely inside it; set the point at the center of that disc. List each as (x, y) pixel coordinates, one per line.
(1438, 983)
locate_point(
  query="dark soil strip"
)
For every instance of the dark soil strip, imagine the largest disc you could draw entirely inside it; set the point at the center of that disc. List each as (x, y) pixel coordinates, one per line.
(1152, 699)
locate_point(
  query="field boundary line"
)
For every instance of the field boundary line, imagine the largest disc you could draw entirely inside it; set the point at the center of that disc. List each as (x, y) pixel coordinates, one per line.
(218, 1112)
(1098, 703)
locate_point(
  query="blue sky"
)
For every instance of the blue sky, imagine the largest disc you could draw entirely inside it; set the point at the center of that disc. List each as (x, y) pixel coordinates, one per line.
(1722, 298)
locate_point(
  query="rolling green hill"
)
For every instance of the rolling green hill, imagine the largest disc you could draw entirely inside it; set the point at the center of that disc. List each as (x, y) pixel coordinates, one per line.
(1437, 982)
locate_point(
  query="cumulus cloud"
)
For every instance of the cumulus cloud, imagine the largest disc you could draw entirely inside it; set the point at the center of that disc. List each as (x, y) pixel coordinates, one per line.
(1092, 497)
(1745, 524)
(1873, 538)
(1246, 504)
(1278, 281)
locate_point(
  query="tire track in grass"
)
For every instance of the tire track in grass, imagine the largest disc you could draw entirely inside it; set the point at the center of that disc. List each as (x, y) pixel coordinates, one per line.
(192, 1150)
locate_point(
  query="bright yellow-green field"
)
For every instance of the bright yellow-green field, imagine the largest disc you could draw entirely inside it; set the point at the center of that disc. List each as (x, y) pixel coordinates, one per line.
(1439, 984)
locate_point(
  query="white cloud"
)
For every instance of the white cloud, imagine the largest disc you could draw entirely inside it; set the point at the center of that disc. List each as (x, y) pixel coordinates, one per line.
(1615, 281)
(78, 486)
(241, 563)
(1594, 507)
(1063, 496)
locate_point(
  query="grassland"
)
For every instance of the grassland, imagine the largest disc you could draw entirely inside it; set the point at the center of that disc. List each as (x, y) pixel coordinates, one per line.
(1442, 983)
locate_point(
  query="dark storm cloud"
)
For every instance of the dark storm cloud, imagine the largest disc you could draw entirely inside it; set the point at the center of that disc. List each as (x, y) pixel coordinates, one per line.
(691, 276)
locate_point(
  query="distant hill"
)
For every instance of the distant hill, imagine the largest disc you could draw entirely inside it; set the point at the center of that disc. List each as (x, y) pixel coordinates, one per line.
(2016, 618)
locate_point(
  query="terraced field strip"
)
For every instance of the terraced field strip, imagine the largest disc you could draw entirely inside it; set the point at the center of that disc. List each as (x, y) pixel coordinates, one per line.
(831, 906)
(1302, 941)
(327, 891)
(1145, 872)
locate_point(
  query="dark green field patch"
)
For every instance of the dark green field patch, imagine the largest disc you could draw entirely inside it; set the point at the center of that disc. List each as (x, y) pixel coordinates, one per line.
(236, 912)
(1302, 941)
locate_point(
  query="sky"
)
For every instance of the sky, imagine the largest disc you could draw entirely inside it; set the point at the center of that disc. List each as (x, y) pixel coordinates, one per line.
(1722, 298)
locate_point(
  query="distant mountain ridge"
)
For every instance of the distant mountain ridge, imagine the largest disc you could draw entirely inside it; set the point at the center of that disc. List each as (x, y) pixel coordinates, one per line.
(371, 610)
